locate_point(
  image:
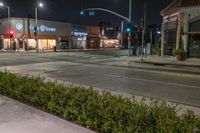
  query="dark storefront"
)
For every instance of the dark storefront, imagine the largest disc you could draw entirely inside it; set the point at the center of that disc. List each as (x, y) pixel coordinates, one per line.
(170, 28)
(93, 39)
(194, 41)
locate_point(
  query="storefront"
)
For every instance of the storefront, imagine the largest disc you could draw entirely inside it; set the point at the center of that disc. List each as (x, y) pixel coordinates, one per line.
(109, 43)
(194, 38)
(169, 29)
(93, 38)
(79, 37)
(50, 34)
(181, 27)
(93, 42)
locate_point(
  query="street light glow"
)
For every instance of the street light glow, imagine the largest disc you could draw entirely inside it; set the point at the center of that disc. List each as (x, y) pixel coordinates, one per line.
(1, 4)
(41, 4)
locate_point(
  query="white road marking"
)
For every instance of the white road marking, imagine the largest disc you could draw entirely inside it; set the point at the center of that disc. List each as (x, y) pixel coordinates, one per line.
(148, 80)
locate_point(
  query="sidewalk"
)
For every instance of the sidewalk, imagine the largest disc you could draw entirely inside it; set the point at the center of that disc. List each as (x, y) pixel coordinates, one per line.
(164, 60)
(154, 62)
(58, 50)
(16, 117)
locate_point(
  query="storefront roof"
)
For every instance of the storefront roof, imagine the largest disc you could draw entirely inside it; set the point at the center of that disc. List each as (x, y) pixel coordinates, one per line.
(190, 3)
(177, 4)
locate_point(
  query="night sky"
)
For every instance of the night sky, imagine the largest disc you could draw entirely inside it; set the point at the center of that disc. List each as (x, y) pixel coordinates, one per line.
(68, 10)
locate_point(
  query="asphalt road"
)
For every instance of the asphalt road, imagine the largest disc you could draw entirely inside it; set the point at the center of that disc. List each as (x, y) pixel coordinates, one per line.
(99, 69)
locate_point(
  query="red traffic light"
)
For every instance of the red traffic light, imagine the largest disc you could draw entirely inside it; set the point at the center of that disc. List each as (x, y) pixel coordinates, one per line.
(11, 34)
(129, 38)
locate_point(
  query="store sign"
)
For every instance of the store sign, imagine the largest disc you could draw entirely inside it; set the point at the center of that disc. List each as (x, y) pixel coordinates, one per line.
(79, 33)
(42, 28)
(19, 26)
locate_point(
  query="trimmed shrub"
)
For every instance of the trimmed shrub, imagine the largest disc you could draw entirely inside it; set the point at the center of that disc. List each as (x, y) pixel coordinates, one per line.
(102, 112)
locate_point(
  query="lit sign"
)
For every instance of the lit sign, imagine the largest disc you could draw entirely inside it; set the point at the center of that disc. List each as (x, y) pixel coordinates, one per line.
(79, 33)
(19, 26)
(42, 28)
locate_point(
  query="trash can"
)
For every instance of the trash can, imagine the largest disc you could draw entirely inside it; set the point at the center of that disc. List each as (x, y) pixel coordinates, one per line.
(54, 48)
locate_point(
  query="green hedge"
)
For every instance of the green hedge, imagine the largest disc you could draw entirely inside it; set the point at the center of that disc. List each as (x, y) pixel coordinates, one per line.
(102, 112)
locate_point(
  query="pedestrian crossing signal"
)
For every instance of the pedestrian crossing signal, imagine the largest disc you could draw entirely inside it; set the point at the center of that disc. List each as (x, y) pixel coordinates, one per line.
(11, 33)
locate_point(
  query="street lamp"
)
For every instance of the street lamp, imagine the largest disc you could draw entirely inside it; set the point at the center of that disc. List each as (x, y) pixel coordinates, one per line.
(9, 20)
(40, 5)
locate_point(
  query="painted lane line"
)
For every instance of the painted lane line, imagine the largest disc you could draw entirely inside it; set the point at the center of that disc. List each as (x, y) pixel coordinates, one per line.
(148, 80)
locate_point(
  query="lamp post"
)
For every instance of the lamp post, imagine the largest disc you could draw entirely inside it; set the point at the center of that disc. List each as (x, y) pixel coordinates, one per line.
(36, 25)
(9, 20)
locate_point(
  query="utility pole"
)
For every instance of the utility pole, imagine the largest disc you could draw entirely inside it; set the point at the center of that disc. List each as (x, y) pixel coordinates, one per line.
(40, 5)
(122, 31)
(144, 28)
(129, 34)
(36, 26)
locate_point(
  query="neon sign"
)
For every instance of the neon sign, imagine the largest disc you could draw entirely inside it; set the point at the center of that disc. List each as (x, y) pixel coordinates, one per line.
(42, 28)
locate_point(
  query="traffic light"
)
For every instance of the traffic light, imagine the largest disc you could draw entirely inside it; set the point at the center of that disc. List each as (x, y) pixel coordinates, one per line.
(130, 38)
(91, 13)
(82, 12)
(128, 29)
(35, 30)
(11, 34)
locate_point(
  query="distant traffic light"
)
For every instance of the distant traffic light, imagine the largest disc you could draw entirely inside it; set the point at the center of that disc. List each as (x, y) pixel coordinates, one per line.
(82, 12)
(35, 30)
(91, 13)
(11, 34)
(129, 38)
(128, 29)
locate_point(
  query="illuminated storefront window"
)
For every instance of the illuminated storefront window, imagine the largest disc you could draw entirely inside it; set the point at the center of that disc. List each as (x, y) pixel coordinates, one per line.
(6, 43)
(43, 44)
(31, 44)
(51, 44)
(109, 43)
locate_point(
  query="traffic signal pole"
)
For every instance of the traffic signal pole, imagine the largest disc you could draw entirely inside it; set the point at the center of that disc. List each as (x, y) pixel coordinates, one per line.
(36, 24)
(122, 29)
(109, 11)
(9, 25)
(144, 28)
(129, 34)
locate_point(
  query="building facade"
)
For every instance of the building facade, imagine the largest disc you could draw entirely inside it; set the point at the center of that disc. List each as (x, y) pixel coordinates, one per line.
(50, 34)
(181, 27)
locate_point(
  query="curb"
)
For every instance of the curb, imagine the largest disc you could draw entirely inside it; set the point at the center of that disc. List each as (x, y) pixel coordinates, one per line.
(167, 64)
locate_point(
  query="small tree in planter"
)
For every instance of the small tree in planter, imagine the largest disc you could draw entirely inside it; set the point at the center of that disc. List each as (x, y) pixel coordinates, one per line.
(180, 54)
